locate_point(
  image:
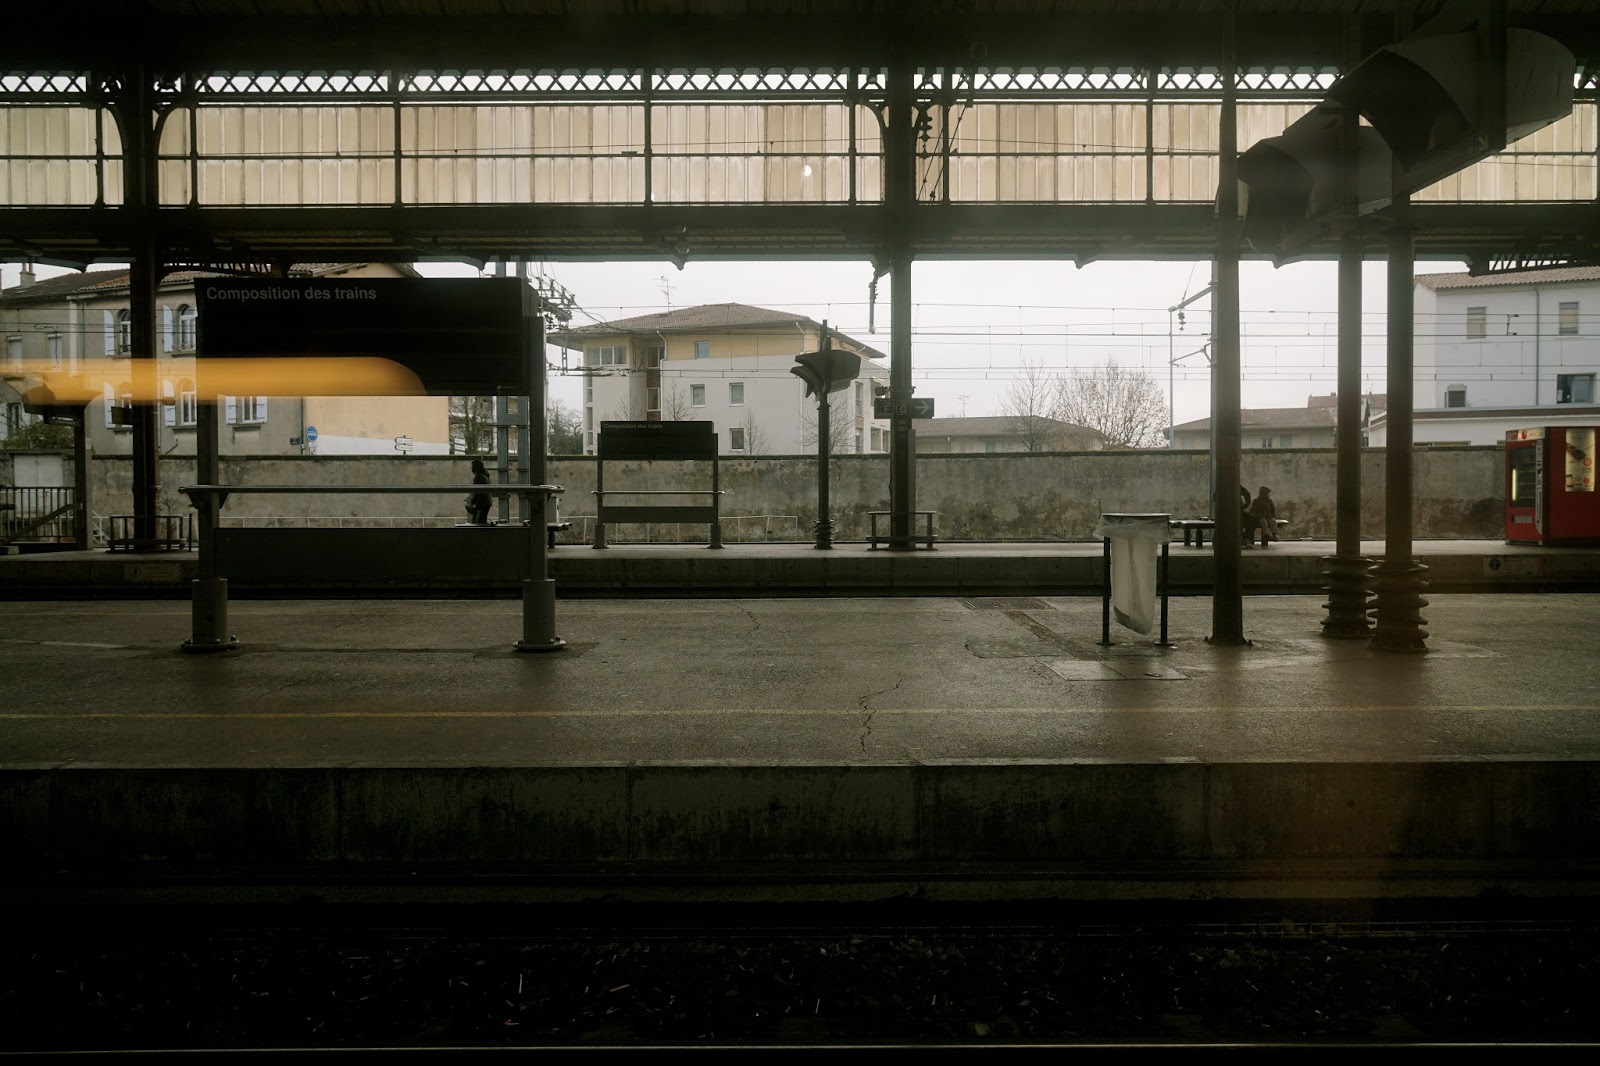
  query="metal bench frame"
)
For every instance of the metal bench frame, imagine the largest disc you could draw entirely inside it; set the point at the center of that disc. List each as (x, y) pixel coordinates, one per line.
(874, 537)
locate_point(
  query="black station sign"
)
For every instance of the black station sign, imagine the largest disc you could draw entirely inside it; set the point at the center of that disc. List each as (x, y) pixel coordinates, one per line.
(460, 336)
(658, 440)
(916, 407)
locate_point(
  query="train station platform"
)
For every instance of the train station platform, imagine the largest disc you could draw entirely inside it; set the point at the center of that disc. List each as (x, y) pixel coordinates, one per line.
(861, 748)
(1067, 568)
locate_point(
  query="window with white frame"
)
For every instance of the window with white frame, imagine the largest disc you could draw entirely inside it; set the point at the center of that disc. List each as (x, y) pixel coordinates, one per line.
(736, 393)
(245, 410)
(859, 391)
(15, 418)
(702, 349)
(1567, 318)
(861, 443)
(185, 328)
(1574, 388)
(1286, 441)
(1477, 323)
(1455, 396)
(124, 332)
(14, 351)
(697, 395)
(610, 355)
(736, 439)
(54, 347)
(1266, 442)
(188, 403)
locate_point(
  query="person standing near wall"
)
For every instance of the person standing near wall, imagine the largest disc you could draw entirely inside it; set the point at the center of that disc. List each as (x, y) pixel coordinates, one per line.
(478, 502)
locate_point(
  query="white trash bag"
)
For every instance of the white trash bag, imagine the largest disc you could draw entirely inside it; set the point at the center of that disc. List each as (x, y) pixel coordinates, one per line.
(1136, 541)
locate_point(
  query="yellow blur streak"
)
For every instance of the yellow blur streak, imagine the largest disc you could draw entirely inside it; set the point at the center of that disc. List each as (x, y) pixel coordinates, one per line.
(267, 376)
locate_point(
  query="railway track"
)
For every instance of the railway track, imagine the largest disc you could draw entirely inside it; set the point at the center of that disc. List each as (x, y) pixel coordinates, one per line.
(603, 976)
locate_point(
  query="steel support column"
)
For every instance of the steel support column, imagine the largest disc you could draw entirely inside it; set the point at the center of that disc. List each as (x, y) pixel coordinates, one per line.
(144, 275)
(1399, 580)
(208, 617)
(900, 194)
(531, 414)
(538, 590)
(1227, 597)
(1347, 567)
(138, 115)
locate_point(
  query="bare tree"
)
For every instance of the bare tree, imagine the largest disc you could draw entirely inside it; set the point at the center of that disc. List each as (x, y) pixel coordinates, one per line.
(471, 425)
(841, 428)
(1125, 406)
(1031, 403)
(626, 410)
(755, 438)
(675, 405)
(563, 430)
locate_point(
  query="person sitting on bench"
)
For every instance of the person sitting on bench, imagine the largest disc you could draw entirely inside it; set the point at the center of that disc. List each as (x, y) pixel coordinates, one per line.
(1247, 520)
(1264, 514)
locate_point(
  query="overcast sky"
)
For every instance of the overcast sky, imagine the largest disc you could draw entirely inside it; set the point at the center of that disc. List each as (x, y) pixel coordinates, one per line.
(973, 324)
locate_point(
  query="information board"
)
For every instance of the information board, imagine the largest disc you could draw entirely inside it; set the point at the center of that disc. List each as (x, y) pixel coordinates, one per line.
(658, 440)
(460, 336)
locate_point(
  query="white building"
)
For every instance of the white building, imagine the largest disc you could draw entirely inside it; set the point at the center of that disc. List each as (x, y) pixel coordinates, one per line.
(728, 364)
(1503, 351)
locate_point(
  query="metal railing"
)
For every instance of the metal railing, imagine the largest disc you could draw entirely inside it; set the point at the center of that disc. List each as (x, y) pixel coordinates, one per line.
(37, 513)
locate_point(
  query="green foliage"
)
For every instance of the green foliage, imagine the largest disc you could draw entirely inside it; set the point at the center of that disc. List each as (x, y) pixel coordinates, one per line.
(38, 437)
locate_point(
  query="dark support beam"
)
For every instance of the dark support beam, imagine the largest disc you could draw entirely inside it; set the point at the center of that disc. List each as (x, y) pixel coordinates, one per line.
(900, 193)
(592, 40)
(208, 617)
(611, 232)
(1399, 578)
(143, 277)
(80, 481)
(1227, 598)
(1347, 567)
(137, 114)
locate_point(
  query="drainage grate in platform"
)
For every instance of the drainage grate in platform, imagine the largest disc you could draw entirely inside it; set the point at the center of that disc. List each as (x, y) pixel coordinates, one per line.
(1006, 603)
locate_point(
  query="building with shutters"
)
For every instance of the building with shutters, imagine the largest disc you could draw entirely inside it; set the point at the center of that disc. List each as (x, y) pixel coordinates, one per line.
(66, 322)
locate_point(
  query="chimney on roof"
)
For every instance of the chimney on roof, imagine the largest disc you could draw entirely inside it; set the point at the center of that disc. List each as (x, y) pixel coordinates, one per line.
(27, 278)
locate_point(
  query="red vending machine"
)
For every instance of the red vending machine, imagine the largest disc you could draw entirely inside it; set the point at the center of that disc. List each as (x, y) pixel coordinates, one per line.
(1550, 486)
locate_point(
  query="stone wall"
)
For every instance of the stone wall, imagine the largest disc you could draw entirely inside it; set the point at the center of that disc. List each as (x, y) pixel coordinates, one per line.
(1016, 497)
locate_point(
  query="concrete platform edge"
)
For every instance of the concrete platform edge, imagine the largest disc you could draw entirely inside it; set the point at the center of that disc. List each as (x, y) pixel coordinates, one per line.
(793, 817)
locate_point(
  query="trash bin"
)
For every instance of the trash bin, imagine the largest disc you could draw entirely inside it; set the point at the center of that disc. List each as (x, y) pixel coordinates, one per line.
(1135, 544)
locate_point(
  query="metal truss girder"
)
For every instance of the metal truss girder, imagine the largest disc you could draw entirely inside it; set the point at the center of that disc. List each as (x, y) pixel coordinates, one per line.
(1081, 232)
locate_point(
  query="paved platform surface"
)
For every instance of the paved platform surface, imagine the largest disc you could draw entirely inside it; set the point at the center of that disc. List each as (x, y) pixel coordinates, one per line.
(866, 680)
(913, 741)
(954, 568)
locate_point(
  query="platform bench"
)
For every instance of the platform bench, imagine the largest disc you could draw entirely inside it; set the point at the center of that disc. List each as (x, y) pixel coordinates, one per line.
(874, 537)
(1197, 528)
